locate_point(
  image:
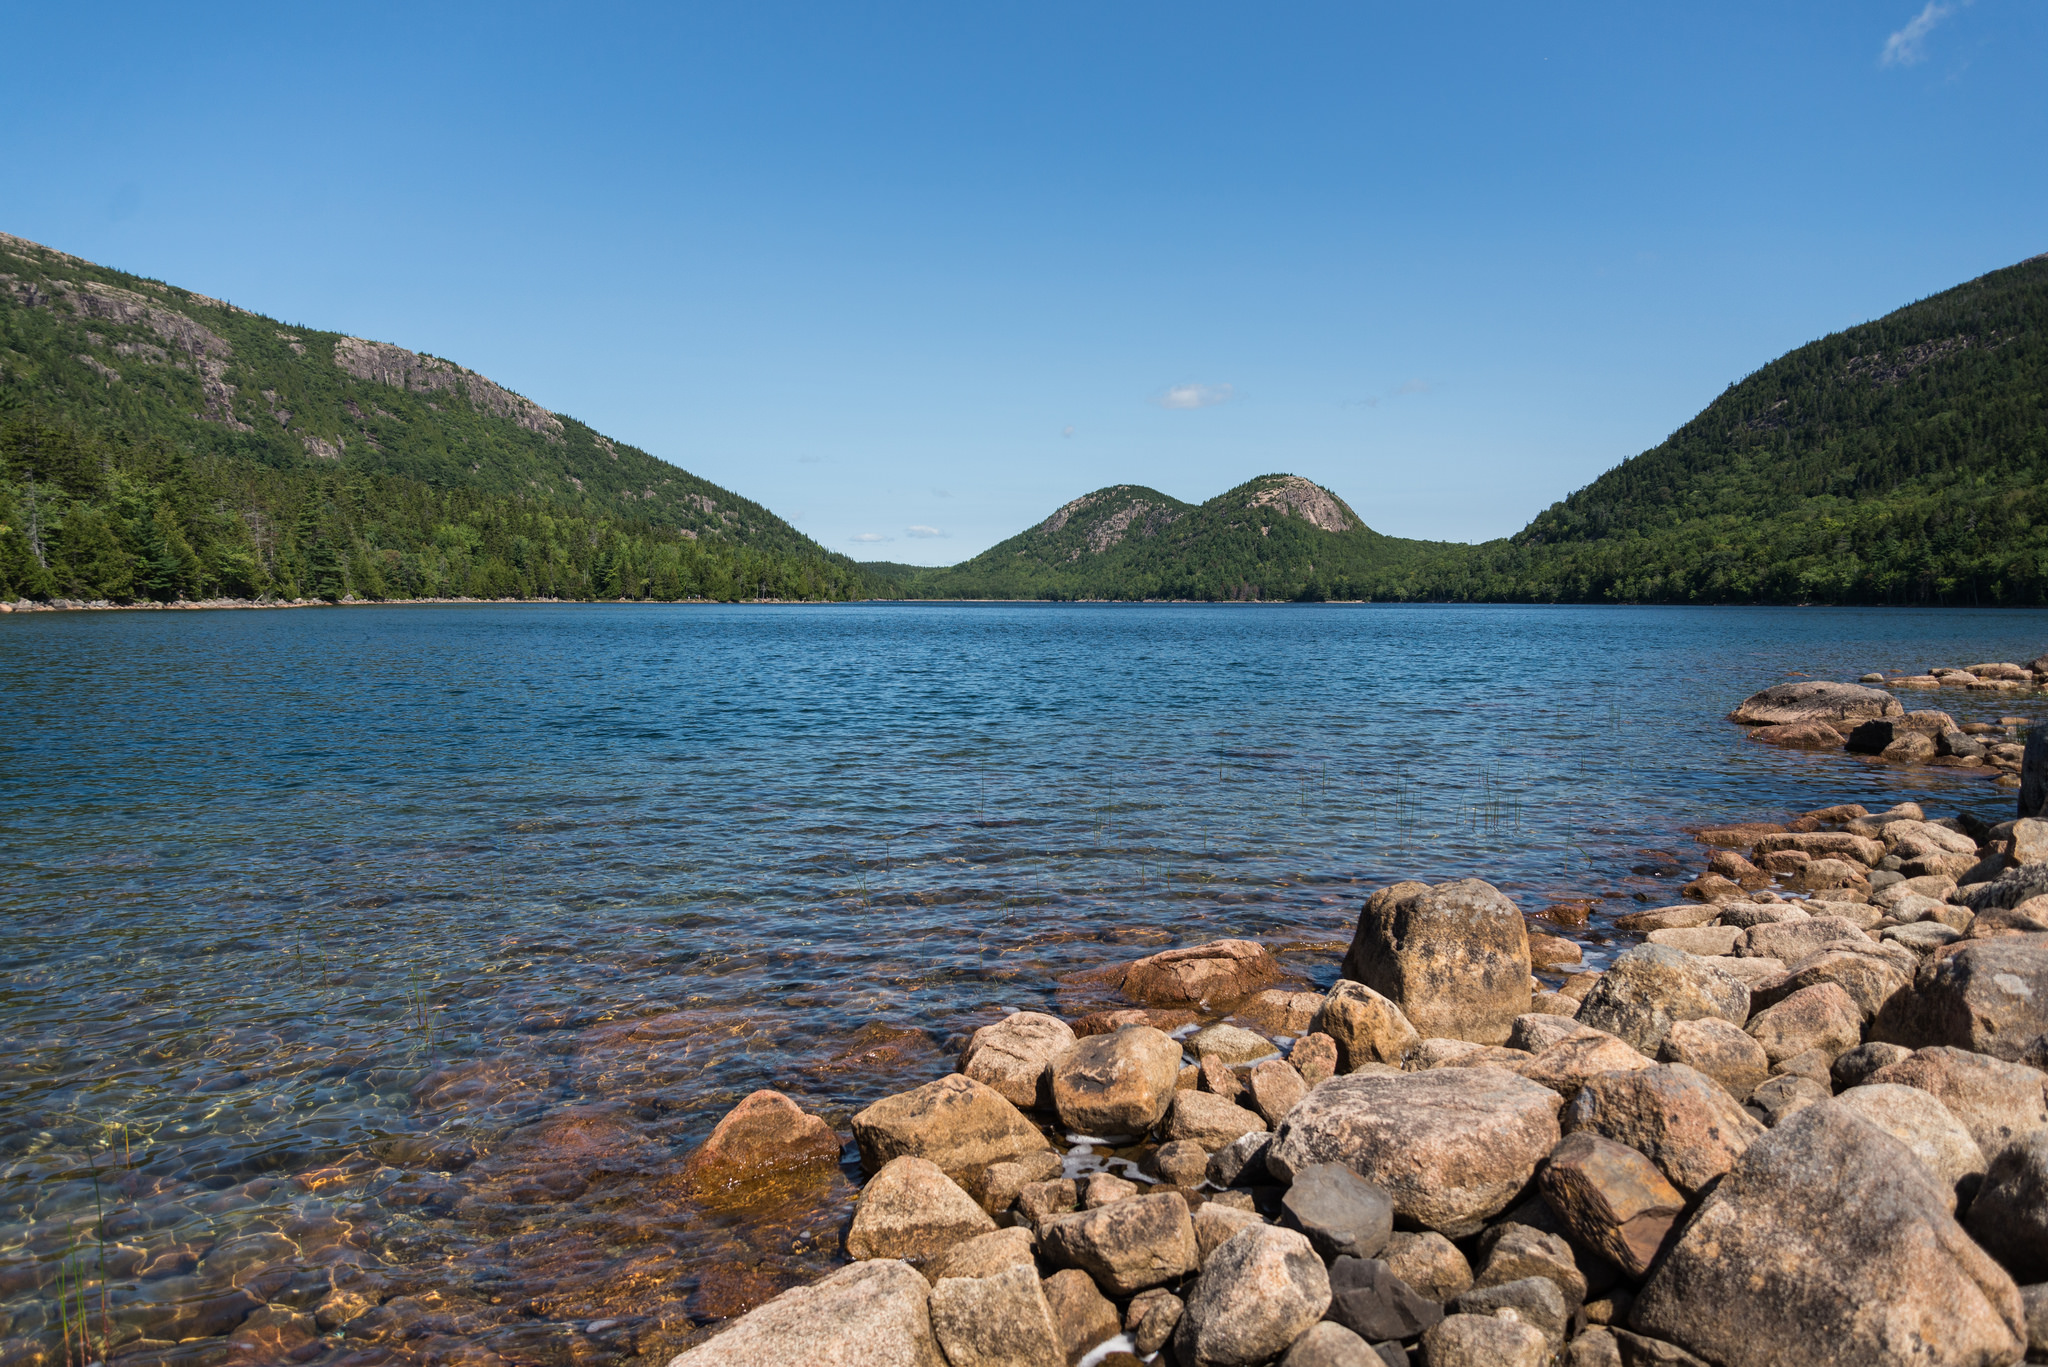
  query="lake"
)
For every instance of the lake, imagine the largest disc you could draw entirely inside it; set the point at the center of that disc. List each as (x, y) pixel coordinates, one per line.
(399, 953)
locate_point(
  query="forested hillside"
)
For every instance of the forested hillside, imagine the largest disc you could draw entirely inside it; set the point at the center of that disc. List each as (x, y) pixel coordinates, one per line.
(1278, 536)
(1901, 461)
(156, 444)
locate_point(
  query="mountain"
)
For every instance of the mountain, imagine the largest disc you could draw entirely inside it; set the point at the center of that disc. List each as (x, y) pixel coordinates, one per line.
(1901, 461)
(1278, 536)
(121, 396)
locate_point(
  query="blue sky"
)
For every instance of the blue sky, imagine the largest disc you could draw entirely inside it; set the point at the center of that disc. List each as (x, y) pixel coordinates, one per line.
(914, 275)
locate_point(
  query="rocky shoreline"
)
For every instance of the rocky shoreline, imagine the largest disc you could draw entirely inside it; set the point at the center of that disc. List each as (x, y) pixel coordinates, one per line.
(1805, 1121)
(1867, 720)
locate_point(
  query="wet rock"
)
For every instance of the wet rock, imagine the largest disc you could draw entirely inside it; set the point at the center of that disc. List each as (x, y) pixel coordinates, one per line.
(1330, 1344)
(1682, 1120)
(1369, 1300)
(764, 1139)
(1015, 1056)
(1315, 1057)
(1099, 1189)
(1928, 1129)
(1535, 1301)
(1215, 1224)
(1274, 1088)
(1996, 1101)
(1213, 974)
(984, 1255)
(1241, 1162)
(1365, 1027)
(1452, 1147)
(271, 1334)
(1002, 1182)
(1116, 1084)
(869, 1314)
(1039, 1201)
(1650, 988)
(2009, 1215)
(1128, 1246)
(912, 1210)
(1427, 1262)
(1342, 1214)
(1082, 1315)
(1258, 1293)
(1808, 735)
(1821, 1018)
(1485, 1340)
(1210, 1121)
(1989, 997)
(1785, 1095)
(958, 1123)
(1612, 1199)
(1002, 1320)
(1231, 1043)
(1565, 1066)
(1825, 1244)
(1813, 700)
(1454, 958)
(1721, 1050)
(1182, 1162)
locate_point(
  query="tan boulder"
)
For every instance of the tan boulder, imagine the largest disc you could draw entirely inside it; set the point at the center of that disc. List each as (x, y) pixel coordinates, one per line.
(958, 1123)
(1275, 1087)
(1258, 1293)
(1822, 1018)
(1082, 1314)
(1681, 1120)
(1454, 958)
(869, 1314)
(1928, 1129)
(1127, 1245)
(1314, 1056)
(1815, 700)
(1210, 1121)
(1213, 974)
(1565, 1066)
(1723, 1051)
(1611, 1198)
(1280, 1012)
(1015, 1056)
(1001, 1320)
(913, 1211)
(1997, 1101)
(765, 1141)
(1116, 1084)
(1366, 1027)
(984, 1255)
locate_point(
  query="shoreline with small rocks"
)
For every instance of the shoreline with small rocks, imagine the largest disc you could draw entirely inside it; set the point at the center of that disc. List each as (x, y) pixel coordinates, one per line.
(1803, 1121)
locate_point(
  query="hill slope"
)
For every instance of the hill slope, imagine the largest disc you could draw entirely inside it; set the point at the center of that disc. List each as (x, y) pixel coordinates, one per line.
(1901, 461)
(108, 380)
(1278, 536)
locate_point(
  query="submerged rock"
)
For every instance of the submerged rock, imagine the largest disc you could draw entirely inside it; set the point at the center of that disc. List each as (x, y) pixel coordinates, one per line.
(764, 1138)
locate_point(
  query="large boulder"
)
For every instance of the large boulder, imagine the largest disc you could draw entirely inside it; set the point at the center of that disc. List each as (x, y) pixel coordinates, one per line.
(764, 1142)
(1452, 1147)
(1815, 700)
(1650, 988)
(1928, 1129)
(1366, 1027)
(1015, 1056)
(1827, 1243)
(2009, 1215)
(1116, 1084)
(1126, 1245)
(1454, 958)
(958, 1123)
(1681, 1120)
(912, 1210)
(868, 1314)
(1989, 997)
(1214, 974)
(1996, 1101)
(1611, 1198)
(1002, 1320)
(1262, 1290)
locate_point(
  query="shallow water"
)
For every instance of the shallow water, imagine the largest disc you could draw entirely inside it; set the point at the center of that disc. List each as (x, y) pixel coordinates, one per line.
(400, 952)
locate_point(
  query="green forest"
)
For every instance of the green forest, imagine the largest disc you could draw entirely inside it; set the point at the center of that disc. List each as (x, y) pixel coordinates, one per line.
(1902, 461)
(157, 445)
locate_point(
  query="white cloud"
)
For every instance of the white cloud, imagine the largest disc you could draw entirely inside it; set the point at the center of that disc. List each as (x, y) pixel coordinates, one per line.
(872, 536)
(1413, 387)
(1908, 46)
(1194, 396)
(922, 531)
